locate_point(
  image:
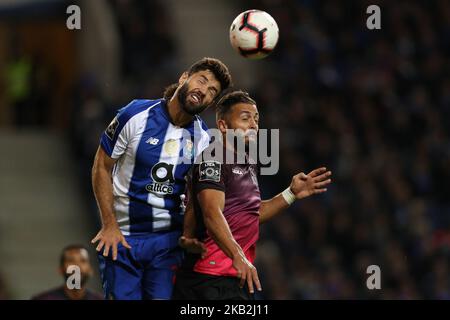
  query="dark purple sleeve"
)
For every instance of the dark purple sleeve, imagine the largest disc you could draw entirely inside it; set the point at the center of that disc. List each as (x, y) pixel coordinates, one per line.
(209, 175)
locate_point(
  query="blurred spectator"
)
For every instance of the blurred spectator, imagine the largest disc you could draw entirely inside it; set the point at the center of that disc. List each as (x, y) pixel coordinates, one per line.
(29, 84)
(18, 81)
(72, 255)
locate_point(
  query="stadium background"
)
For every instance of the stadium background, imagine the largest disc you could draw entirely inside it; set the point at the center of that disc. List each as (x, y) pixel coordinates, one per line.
(373, 106)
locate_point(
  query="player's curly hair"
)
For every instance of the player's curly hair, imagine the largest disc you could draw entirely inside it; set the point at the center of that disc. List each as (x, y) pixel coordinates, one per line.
(217, 67)
(228, 99)
(170, 90)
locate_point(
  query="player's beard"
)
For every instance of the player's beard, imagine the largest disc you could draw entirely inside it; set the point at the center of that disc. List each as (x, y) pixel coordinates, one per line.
(186, 105)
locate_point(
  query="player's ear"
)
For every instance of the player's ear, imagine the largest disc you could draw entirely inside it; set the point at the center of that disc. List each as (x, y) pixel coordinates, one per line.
(183, 78)
(61, 271)
(222, 125)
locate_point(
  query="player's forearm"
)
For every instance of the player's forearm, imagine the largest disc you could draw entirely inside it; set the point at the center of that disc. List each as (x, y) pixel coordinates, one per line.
(102, 186)
(271, 208)
(219, 230)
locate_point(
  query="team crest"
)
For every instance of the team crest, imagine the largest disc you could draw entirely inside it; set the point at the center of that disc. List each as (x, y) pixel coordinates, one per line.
(189, 149)
(170, 147)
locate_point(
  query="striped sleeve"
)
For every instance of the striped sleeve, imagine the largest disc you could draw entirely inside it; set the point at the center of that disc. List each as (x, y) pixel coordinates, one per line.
(122, 128)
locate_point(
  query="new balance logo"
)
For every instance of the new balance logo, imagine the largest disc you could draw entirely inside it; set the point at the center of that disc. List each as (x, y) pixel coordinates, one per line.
(152, 141)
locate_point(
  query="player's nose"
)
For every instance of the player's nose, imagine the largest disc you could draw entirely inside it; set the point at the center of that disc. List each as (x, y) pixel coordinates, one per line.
(203, 90)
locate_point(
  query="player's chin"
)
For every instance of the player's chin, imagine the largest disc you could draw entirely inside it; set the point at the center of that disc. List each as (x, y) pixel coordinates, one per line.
(194, 109)
(250, 139)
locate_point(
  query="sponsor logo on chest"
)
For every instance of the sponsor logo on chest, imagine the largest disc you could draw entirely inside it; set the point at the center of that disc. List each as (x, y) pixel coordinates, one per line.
(152, 141)
(163, 180)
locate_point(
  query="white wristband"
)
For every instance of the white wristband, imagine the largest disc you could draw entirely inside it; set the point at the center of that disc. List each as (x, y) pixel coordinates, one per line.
(288, 196)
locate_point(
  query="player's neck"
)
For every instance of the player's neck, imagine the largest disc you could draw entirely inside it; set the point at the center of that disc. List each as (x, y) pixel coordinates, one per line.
(177, 115)
(75, 294)
(231, 146)
(228, 145)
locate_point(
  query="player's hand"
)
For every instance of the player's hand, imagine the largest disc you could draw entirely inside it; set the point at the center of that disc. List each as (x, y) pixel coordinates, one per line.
(246, 272)
(305, 185)
(109, 238)
(193, 245)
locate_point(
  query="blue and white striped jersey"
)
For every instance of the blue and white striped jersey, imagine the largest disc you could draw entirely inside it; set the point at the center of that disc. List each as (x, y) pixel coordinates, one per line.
(153, 158)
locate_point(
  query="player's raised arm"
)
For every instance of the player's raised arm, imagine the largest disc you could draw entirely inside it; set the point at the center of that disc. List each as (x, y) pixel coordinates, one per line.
(302, 186)
(109, 236)
(212, 203)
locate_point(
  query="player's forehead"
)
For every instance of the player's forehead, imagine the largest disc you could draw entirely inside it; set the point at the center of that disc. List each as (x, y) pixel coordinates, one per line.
(77, 254)
(245, 108)
(209, 76)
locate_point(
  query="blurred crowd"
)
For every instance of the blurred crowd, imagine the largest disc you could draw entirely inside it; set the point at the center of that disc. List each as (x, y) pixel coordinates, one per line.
(371, 105)
(374, 107)
(26, 83)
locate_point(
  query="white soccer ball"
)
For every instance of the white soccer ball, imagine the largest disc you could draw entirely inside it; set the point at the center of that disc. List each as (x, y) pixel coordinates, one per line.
(254, 34)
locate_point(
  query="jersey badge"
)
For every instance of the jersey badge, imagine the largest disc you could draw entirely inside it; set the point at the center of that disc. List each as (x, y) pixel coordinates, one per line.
(210, 171)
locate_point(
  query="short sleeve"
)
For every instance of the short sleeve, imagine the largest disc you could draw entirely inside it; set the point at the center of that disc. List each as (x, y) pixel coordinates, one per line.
(121, 130)
(209, 175)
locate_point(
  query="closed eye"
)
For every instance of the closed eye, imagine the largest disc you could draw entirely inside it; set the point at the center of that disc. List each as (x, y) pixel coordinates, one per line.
(213, 91)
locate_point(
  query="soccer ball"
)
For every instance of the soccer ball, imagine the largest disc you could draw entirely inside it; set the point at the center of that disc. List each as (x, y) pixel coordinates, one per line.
(254, 34)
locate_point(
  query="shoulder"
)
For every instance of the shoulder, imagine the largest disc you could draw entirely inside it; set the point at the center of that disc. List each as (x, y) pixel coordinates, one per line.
(52, 294)
(133, 110)
(92, 295)
(137, 106)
